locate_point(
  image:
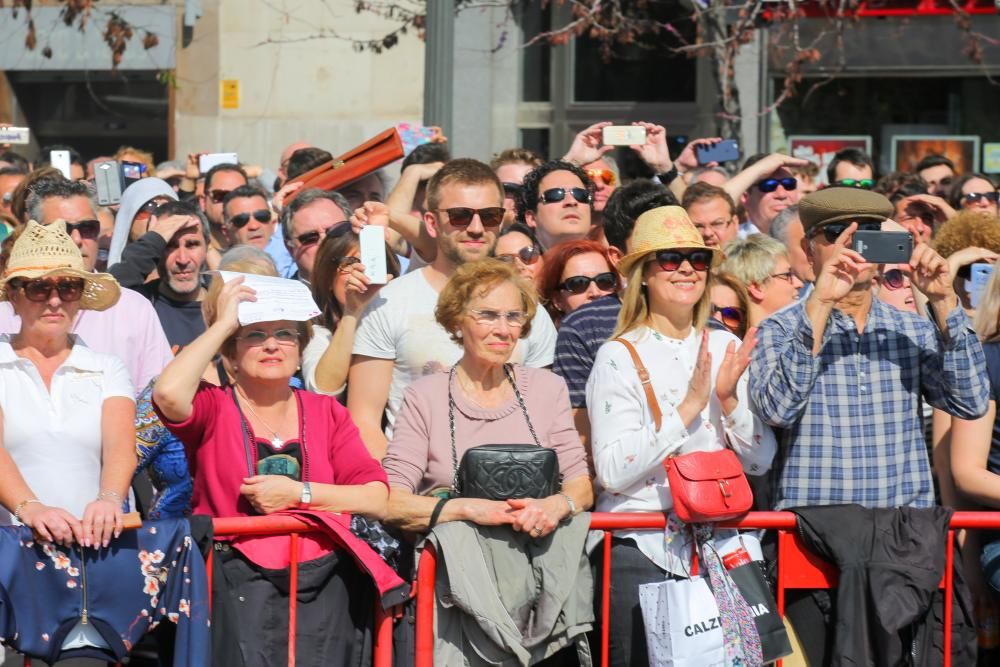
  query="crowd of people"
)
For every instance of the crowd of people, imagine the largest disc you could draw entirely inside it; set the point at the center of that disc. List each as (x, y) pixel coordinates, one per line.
(611, 324)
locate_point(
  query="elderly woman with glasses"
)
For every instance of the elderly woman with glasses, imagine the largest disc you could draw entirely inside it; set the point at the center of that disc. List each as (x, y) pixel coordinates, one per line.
(697, 377)
(66, 413)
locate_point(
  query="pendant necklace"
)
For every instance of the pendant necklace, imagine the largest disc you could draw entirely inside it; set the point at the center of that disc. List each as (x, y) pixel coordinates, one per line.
(276, 441)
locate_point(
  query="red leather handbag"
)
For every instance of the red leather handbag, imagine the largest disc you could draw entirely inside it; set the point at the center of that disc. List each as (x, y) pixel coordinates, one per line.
(705, 486)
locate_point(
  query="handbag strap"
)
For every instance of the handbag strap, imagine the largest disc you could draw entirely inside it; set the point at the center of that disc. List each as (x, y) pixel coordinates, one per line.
(640, 368)
(451, 418)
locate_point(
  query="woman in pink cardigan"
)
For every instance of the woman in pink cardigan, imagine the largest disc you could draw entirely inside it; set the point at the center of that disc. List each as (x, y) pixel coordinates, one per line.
(486, 307)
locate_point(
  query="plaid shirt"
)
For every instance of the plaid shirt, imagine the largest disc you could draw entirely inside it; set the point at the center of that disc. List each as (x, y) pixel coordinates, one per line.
(853, 412)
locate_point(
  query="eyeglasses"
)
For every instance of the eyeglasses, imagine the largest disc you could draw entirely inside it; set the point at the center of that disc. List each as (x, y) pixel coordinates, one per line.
(529, 254)
(861, 183)
(894, 279)
(732, 318)
(771, 184)
(671, 260)
(461, 216)
(69, 289)
(343, 262)
(832, 231)
(337, 230)
(555, 195)
(512, 189)
(240, 220)
(87, 229)
(513, 318)
(788, 275)
(258, 338)
(973, 197)
(218, 195)
(605, 175)
(606, 282)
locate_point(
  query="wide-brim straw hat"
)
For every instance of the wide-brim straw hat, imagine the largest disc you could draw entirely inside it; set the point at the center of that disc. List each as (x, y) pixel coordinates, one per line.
(47, 250)
(664, 228)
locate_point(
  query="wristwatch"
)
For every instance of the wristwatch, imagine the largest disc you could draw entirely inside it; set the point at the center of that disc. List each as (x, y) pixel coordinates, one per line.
(667, 177)
(307, 495)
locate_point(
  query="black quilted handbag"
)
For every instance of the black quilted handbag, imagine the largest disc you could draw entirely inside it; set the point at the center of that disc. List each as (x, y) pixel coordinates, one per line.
(501, 472)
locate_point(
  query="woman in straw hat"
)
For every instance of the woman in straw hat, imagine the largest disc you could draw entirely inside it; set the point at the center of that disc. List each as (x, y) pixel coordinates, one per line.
(697, 378)
(67, 451)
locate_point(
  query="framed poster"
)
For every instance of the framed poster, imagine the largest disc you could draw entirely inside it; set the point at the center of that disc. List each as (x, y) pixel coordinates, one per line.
(909, 149)
(991, 158)
(821, 148)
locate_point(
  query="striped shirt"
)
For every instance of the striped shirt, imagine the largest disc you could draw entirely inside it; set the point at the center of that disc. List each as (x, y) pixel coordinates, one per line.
(581, 334)
(853, 411)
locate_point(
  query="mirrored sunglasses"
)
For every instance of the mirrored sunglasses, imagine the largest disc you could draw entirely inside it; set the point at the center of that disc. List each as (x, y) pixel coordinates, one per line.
(671, 260)
(597, 175)
(771, 184)
(555, 195)
(732, 318)
(860, 183)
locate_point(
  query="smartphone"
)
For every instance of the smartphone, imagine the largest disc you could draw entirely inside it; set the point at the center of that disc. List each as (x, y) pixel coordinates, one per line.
(131, 172)
(727, 150)
(209, 160)
(979, 276)
(884, 247)
(14, 135)
(624, 135)
(60, 160)
(108, 181)
(373, 253)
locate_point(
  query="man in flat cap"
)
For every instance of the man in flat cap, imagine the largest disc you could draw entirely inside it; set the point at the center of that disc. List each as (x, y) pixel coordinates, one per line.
(843, 373)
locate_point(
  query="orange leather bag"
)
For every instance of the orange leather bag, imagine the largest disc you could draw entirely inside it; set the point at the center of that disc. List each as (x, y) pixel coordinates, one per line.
(375, 153)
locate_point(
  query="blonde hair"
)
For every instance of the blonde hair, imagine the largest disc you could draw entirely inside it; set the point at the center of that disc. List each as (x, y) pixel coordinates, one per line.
(476, 279)
(144, 156)
(635, 302)
(987, 319)
(752, 260)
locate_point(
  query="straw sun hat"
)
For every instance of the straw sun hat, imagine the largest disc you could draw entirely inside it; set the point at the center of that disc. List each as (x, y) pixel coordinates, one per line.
(664, 228)
(47, 250)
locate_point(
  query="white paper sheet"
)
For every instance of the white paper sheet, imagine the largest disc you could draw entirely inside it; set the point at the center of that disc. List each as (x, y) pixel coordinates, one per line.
(277, 299)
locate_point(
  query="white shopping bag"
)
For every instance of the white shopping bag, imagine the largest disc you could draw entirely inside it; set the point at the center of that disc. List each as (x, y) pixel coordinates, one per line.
(682, 624)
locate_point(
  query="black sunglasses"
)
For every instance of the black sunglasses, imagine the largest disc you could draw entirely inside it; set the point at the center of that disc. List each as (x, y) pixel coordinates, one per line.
(554, 195)
(529, 254)
(860, 183)
(973, 197)
(87, 229)
(671, 260)
(606, 282)
(240, 220)
(512, 189)
(771, 184)
(893, 278)
(461, 216)
(732, 318)
(833, 231)
(69, 289)
(336, 231)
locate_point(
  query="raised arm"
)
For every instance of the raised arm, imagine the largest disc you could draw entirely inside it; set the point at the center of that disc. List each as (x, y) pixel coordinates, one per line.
(741, 182)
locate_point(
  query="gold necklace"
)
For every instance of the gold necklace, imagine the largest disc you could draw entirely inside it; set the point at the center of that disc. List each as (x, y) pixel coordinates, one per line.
(276, 441)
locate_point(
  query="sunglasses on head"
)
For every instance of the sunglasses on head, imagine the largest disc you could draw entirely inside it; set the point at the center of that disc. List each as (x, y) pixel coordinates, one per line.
(461, 216)
(512, 189)
(605, 175)
(69, 289)
(87, 229)
(771, 184)
(240, 220)
(861, 183)
(218, 195)
(555, 195)
(336, 231)
(732, 318)
(893, 279)
(833, 231)
(974, 197)
(529, 254)
(671, 260)
(606, 282)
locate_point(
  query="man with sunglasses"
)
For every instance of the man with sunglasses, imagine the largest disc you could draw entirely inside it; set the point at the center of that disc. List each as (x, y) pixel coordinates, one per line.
(851, 167)
(305, 221)
(219, 182)
(248, 218)
(129, 329)
(557, 200)
(766, 186)
(398, 339)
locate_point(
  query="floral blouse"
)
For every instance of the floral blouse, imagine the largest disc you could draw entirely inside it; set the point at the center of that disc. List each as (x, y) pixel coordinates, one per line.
(629, 452)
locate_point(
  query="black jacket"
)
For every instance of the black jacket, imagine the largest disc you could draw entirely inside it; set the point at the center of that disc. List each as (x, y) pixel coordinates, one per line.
(891, 562)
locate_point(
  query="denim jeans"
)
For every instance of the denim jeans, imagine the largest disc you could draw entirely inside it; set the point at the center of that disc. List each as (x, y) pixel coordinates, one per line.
(990, 561)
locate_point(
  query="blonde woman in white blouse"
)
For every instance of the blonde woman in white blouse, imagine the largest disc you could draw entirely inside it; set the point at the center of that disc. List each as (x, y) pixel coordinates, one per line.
(698, 378)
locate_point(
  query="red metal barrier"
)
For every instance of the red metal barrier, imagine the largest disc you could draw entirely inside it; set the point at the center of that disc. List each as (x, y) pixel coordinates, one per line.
(783, 522)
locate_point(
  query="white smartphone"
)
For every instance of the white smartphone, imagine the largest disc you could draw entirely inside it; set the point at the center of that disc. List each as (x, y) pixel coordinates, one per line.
(60, 160)
(373, 253)
(624, 135)
(14, 135)
(209, 160)
(979, 275)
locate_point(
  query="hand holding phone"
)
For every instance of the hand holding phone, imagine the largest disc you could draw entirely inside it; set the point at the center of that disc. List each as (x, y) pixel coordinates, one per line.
(883, 247)
(624, 135)
(979, 277)
(727, 150)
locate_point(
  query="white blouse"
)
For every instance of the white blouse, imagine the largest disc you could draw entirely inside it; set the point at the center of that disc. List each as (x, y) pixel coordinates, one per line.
(54, 436)
(629, 452)
(320, 341)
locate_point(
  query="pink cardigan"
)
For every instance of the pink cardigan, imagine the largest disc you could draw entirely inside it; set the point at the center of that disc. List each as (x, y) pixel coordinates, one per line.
(419, 456)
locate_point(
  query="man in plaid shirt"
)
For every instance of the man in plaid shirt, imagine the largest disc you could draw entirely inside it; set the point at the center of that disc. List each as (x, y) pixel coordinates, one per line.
(844, 373)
